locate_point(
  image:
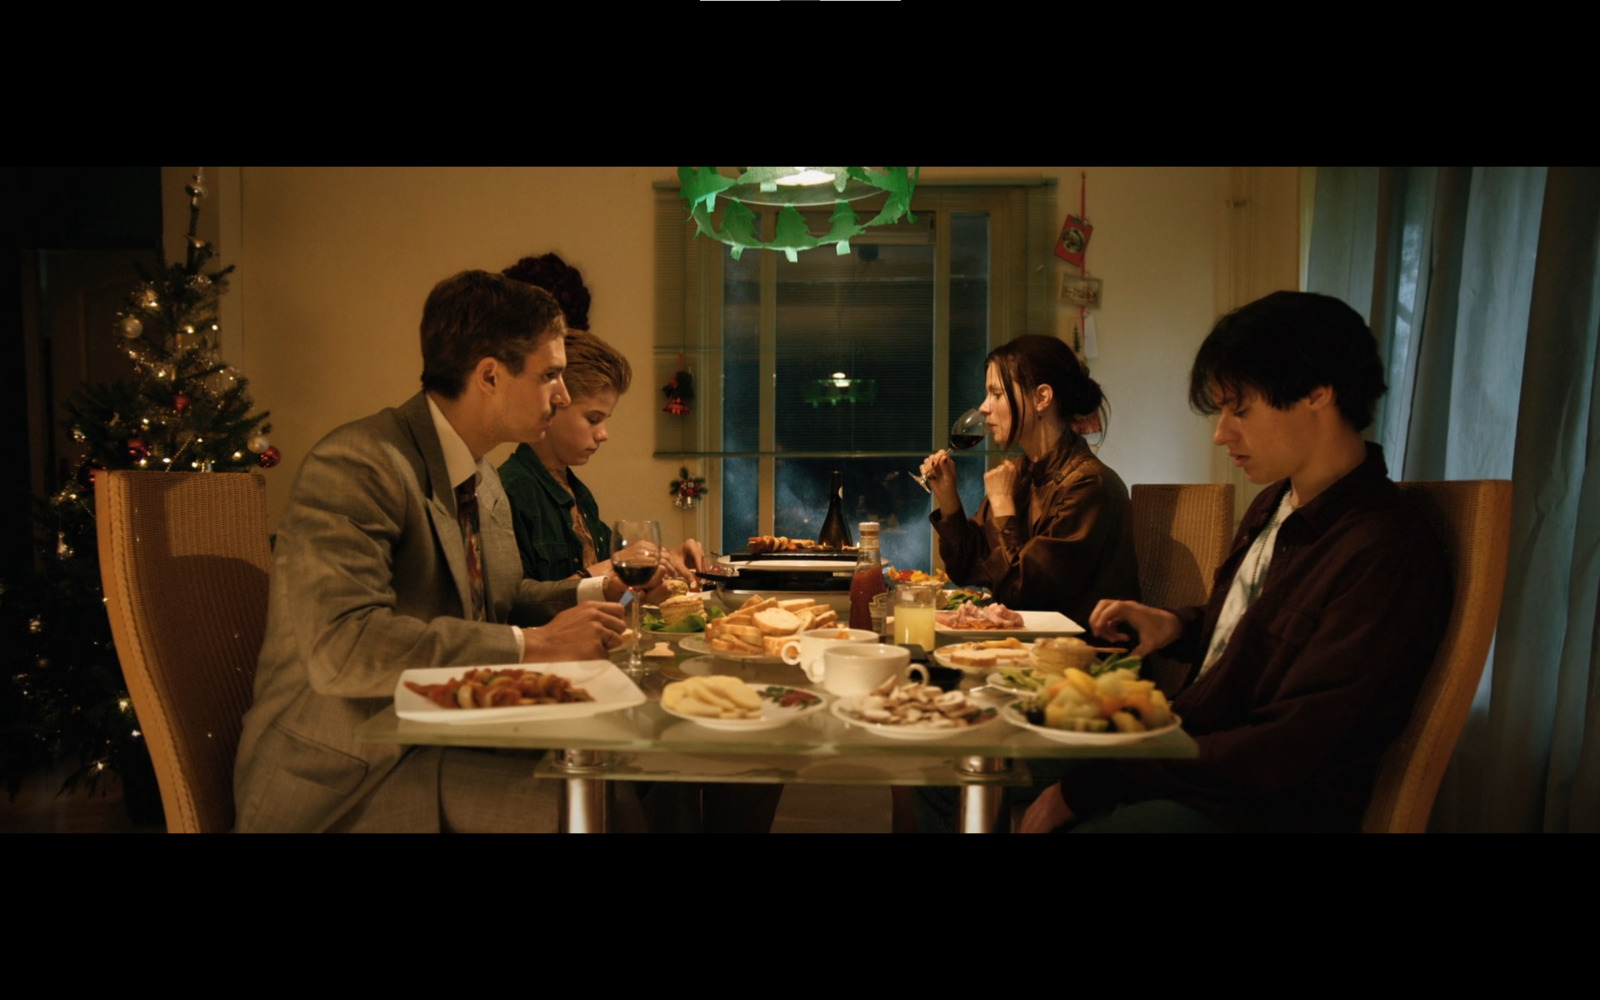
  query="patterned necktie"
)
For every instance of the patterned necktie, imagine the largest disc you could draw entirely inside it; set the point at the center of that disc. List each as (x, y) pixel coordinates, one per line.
(467, 511)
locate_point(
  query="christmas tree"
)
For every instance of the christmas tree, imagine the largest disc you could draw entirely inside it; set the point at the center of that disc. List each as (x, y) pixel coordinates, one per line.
(184, 410)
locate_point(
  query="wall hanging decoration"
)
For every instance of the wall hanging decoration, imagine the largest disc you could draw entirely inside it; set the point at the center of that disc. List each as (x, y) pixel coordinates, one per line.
(687, 490)
(794, 188)
(1080, 290)
(1073, 243)
(679, 391)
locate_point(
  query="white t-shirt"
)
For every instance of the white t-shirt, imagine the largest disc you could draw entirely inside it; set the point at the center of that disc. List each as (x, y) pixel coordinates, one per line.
(1247, 583)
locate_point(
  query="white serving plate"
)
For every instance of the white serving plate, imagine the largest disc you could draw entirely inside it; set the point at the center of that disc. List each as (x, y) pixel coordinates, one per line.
(610, 688)
(1035, 625)
(914, 731)
(1067, 736)
(773, 715)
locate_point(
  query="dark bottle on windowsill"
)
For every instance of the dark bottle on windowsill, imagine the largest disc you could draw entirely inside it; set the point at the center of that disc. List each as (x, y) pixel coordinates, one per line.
(835, 533)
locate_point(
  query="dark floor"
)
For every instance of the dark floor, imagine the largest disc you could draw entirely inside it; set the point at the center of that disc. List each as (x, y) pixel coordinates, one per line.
(39, 809)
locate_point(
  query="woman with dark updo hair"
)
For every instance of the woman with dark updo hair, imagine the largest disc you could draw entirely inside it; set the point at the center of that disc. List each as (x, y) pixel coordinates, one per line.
(1055, 532)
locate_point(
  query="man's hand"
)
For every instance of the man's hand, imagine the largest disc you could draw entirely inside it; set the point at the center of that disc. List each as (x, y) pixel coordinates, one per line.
(998, 484)
(586, 632)
(1157, 629)
(1048, 812)
(939, 469)
(693, 556)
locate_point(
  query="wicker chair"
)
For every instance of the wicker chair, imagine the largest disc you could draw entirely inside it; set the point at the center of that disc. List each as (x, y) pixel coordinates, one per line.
(1180, 537)
(1473, 518)
(184, 560)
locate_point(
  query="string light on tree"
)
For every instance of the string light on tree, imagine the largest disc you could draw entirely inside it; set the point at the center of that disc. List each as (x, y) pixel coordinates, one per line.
(183, 409)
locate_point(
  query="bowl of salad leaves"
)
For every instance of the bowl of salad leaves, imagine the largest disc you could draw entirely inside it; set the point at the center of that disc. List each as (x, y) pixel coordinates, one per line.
(951, 598)
(654, 628)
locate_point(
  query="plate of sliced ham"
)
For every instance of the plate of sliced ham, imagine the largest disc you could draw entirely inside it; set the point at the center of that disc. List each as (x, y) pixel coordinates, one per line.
(996, 621)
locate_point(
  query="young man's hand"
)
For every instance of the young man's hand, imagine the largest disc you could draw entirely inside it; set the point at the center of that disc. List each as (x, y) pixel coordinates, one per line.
(1157, 628)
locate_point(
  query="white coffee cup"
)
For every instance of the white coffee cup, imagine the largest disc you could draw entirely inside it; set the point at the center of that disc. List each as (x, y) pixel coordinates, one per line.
(806, 648)
(854, 668)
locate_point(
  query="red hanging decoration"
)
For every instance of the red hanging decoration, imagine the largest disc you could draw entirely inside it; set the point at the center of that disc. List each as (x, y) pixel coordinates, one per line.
(680, 391)
(1073, 243)
(687, 491)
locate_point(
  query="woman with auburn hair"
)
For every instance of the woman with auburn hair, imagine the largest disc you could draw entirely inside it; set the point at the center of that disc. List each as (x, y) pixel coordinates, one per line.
(1055, 532)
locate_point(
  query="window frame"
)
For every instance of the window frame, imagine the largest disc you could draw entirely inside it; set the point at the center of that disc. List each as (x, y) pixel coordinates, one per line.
(689, 317)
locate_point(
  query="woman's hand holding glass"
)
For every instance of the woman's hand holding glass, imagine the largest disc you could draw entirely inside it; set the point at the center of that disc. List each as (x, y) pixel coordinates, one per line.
(939, 475)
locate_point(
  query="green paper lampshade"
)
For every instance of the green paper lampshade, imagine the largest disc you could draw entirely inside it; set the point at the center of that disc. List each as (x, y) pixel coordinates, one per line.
(794, 188)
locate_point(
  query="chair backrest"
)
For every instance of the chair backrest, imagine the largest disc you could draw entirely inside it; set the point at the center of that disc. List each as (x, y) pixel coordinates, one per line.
(1180, 537)
(1473, 519)
(184, 560)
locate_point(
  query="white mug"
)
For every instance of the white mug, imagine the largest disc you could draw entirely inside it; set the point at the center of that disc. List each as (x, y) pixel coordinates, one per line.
(806, 648)
(853, 668)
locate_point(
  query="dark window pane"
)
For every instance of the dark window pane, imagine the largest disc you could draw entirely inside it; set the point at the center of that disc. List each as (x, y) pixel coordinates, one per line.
(875, 489)
(739, 502)
(855, 349)
(741, 355)
(969, 310)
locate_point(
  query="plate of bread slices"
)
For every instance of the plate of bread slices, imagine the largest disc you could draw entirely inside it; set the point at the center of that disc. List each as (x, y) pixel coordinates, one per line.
(984, 656)
(760, 628)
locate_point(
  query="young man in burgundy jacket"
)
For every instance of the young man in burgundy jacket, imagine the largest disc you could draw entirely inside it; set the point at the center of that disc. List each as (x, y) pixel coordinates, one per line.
(1323, 619)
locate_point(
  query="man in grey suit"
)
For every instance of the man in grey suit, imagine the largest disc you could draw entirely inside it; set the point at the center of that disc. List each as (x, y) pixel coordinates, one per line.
(382, 564)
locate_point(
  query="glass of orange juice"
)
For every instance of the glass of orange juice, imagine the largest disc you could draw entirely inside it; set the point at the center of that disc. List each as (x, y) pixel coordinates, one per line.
(913, 614)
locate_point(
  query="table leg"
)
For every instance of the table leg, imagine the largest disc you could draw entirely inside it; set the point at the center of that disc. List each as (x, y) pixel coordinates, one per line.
(985, 806)
(583, 805)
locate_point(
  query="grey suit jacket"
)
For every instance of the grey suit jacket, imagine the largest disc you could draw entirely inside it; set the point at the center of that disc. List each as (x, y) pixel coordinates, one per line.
(369, 578)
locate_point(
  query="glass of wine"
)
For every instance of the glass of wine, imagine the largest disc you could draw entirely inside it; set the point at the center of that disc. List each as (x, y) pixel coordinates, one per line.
(635, 556)
(966, 432)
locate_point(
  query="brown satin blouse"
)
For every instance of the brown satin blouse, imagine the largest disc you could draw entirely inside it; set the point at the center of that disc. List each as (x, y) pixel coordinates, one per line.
(1069, 546)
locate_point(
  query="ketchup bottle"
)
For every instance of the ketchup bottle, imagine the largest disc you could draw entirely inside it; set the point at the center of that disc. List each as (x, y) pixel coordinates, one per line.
(868, 580)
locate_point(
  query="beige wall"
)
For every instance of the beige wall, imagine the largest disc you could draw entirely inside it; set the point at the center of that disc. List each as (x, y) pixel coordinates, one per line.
(334, 264)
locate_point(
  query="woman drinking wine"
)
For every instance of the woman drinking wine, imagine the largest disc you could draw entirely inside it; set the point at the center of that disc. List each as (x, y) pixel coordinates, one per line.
(1055, 532)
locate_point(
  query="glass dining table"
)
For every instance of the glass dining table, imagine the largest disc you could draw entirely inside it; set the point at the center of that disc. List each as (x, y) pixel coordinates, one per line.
(645, 743)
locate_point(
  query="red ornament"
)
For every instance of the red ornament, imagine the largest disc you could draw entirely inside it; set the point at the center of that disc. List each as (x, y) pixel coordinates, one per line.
(272, 456)
(137, 449)
(679, 393)
(1073, 242)
(86, 475)
(180, 402)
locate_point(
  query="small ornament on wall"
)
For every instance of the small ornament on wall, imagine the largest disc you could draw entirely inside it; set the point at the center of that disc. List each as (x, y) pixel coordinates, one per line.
(1080, 290)
(1073, 243)
(679, 391)
(687, 491)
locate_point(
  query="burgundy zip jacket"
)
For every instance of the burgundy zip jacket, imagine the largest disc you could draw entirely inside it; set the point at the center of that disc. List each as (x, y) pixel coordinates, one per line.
(1319, 675)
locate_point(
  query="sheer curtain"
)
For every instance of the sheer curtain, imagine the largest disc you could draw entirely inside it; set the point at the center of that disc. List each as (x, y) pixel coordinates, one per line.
(1483, 287)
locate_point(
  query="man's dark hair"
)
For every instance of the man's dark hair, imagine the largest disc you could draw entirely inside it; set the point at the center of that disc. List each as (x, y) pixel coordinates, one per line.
(476, 315)
(1284, 346)
(560, 279)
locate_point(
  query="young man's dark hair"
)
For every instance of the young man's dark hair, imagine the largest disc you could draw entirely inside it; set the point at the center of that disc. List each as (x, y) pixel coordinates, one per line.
(1282, 347)
(476, 315)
